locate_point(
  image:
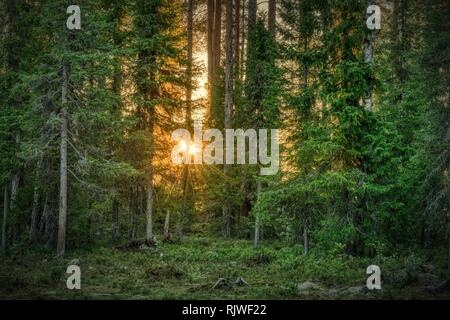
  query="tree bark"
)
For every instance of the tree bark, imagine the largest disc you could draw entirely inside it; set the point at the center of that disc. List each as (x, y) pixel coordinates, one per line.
(149, 211)
(368, 58)
(63, 164)
(190, 59)
(167, 236)
(228, 108)
(151, 127)
(251, 24)
(15, 180)
(9, 64)
(34, 215)
(252, 7)
(34, 228)
(5, 217)
(257, 218)
(210, 40)
(448, 211)
(217, 49)
(115, 220)
(305, 239)
(237, 39)
(272, 17)
(242, 54)
(131, 210)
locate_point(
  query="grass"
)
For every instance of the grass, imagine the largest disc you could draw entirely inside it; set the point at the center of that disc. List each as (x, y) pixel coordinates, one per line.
(189, 270)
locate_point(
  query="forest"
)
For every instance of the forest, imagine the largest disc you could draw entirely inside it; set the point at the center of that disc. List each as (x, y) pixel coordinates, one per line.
(354, 99)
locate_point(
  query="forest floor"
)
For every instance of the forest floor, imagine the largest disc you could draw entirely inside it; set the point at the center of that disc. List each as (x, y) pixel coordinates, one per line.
(189, 270)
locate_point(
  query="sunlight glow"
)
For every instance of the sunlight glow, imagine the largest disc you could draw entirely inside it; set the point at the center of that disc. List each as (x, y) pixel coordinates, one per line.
(183, 146)
(192, 148)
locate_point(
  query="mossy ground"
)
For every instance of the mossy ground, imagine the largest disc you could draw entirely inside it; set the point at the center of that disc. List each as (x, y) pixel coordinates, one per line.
(189, 270)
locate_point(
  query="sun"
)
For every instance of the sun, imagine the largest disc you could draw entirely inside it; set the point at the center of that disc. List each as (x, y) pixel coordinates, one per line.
(191, 148)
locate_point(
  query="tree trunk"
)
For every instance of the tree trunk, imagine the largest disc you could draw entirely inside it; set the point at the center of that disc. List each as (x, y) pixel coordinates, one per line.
(368, 58)
(49, 226)
(242, 57)
(190, 58)
(237, 34)
(34, 228)
(149, 208)
(272, 17)
(115, 220)
(15, 180)
(228, 108)
(149, 212)
(257, 218)
(229, 67)
(305, 238)
(131, 210)
(34, 215)
(63, 165)
(399, 32)
(448, 215)
(44, 212)
(5, 217)
(252, 7)
(217, 49)
(167, 236)
(448, 258)
(251, 24)
(210, 40)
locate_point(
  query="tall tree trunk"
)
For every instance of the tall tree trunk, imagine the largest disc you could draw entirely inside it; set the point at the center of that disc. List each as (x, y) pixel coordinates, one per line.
(34, 215)
(242, 54)
(63, 164)
(167, 236)
(115, 220)
(49, 224)
(151, 94)
(149, 211)
(190, 61)
(217, 49)
(251, 24)
(6, 34)
(448, 225)
(272, 17)
(305, 238)
(34, 228)
(237, 39)
(257, 218)
(5, 217)
(187, 196)
(448, 193)
(399, 31)
(15, 180)
(210, 40)
(42, 221)
(368, 58)
(131, 211)
(252, 7)
(228, 108)
(217, 54)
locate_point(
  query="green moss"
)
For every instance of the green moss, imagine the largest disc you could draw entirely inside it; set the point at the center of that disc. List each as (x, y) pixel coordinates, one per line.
(189, 269)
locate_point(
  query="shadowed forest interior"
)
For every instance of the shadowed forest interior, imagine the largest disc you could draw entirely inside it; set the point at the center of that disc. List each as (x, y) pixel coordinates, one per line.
(87, 178)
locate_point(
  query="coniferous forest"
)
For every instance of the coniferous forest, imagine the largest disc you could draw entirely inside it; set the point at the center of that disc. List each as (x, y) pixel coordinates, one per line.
(347, 198)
